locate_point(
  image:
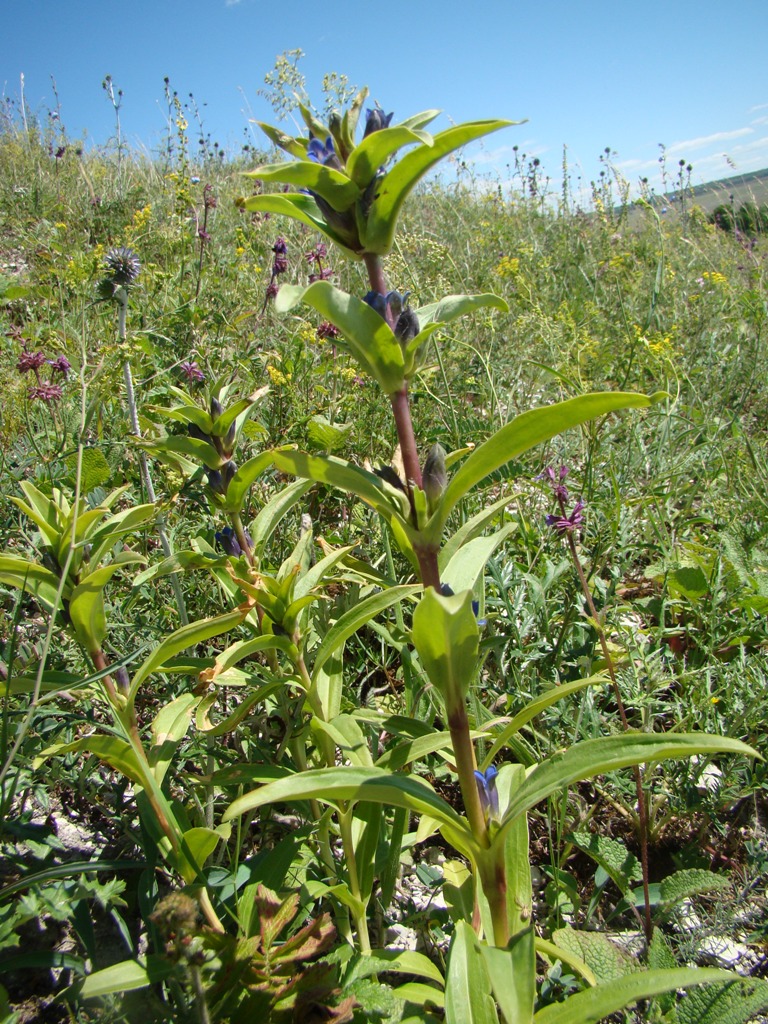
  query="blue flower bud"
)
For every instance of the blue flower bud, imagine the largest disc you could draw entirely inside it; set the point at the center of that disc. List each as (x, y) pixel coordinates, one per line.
(486, 790)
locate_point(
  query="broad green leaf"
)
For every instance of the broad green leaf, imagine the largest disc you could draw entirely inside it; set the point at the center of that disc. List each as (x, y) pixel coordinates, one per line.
(467, 565)
(130, 519)
(334, 186)
(319, 573)
(51, 532)
(115, 751)
(381, 221)
(340, 474)
(735, 1002)
(296, 147)
(188, 636)
(242, 649)
(516, 857)
(535, 707)
(603, 957)
(417, 748)
(86, 607)
(346, 733)
(593, 1004)
(385, 961)
(513, 976)
(169, 727)
(34, 579)
(609, 753)
(369, 337)
(127, 976)
(238, 486)
(51, 513)
(681, 885)
(180, 561)
(278, 506)
(352, 783)
(612, 856)
(526, 431)
(327, 436)
(374, 151)
(470, 529)
(468, 998)
(452, 306)
(199, 451)
(226, 725)
(356, 617)
(300, 207)
(197, 846)
(446, 636)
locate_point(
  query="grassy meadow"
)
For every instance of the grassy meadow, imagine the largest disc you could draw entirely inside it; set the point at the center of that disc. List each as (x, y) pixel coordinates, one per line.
(673, 541)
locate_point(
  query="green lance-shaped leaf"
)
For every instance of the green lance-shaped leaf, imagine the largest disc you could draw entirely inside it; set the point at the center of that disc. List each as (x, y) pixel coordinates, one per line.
(513, 975)
(450, 307)
(302, 208)
(446, 637)
(381, 221)
(240, 484)
(535, 707)
(86, 606)
(188, 636)
(369, 337)
(609, 753)
(127, 976)
(296, 147)
(278, 506)
(593, 1004)
(345, 477)
(373, 152)
(468, 998)
(525, 432)
(353, 619)
(32, 578)
(334, 186)
(355, 783)
(468, 563)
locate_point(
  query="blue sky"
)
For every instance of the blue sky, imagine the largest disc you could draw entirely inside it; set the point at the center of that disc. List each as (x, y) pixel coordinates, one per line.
(586, 74)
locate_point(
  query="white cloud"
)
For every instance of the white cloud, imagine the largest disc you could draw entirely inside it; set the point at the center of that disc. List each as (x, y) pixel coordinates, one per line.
(707, 140)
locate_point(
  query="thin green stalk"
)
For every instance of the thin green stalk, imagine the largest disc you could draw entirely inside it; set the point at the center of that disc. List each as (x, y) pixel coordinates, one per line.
(359, 911)
(143, 462)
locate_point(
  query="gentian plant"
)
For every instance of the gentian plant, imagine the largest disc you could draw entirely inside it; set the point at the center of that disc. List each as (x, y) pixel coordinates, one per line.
(348, 773)
(353, 193)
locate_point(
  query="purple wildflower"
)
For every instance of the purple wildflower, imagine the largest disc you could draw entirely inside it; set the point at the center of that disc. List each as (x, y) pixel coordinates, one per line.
(327, 330)
(556, 478)
(192, 372)
(317, 254)
(45, 392)
(61, 364)
(30, 361)
(563, 523)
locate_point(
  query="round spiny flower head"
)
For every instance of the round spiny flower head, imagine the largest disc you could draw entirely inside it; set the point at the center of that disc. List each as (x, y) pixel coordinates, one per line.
(123, 266)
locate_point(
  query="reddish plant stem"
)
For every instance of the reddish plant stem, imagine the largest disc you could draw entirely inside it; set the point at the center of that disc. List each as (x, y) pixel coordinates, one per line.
(401, 410)
(642, 814)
